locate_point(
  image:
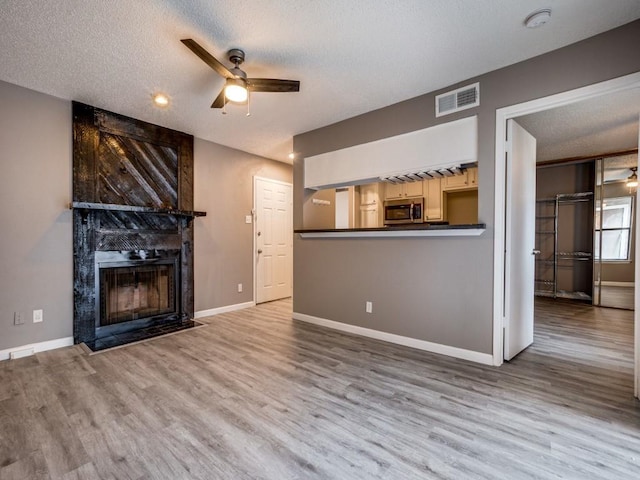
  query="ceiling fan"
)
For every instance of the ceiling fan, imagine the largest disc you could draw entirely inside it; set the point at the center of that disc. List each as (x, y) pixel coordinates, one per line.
(237, 85)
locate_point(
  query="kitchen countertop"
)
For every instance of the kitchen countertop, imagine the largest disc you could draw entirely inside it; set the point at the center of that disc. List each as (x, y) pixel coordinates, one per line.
(413, 230)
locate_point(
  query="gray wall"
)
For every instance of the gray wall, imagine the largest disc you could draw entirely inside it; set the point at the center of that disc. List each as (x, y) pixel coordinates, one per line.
(435, 289)
(223, 187)
(36, 254)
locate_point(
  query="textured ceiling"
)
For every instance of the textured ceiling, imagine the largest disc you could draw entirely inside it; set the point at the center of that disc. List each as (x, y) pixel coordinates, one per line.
(605, 124)
(350, 56)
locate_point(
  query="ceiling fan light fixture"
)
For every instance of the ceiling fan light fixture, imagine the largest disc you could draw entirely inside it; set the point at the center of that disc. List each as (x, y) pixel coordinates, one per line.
(236, 90)
(632, 181)
(236, 87)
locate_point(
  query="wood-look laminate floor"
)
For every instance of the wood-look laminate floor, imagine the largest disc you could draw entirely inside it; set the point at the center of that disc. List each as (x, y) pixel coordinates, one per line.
(255, 395)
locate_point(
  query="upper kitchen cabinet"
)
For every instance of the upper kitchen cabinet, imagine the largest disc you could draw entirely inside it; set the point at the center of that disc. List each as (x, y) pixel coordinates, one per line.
(403, 190)
(468, 179)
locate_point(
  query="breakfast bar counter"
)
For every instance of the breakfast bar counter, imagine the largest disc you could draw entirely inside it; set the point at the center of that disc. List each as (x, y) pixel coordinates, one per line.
(413, 230)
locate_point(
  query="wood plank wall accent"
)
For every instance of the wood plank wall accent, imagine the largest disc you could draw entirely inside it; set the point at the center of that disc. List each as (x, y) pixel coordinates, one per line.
(125, 162)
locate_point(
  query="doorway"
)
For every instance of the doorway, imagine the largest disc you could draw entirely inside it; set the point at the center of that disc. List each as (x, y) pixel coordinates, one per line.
(504, 294)
(273, 239)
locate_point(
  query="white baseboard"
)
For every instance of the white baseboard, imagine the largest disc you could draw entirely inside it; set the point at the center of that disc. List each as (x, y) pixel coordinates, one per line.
(225, 309)
(478, 357)
(30, 349)
(616, 284)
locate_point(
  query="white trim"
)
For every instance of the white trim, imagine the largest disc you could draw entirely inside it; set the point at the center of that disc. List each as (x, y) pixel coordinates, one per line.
(605, 283)
(36, 348)
(502, 115)
(455, 352)
(225, 309)
(279, 182)
(453, 232)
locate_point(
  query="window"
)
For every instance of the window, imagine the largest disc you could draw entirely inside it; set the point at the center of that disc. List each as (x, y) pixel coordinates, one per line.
(615, 214)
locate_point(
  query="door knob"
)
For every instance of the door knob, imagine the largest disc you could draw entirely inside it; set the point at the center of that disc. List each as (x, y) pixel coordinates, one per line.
(259, 250)
(535, 252)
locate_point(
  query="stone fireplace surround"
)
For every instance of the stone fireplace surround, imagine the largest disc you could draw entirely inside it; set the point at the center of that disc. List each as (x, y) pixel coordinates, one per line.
(132, 209)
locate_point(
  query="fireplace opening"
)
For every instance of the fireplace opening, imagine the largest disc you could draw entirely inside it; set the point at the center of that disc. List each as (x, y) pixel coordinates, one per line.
(136, 289)
(136, 292)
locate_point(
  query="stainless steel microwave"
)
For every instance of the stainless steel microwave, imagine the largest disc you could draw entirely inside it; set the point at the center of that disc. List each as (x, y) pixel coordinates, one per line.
(409, 210)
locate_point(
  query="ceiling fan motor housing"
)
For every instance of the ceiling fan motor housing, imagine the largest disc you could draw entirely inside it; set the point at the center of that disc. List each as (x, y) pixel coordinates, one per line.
(236, 56)
(238, 73)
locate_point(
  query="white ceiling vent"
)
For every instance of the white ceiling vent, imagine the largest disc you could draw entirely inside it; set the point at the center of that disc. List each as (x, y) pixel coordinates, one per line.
(456, 100)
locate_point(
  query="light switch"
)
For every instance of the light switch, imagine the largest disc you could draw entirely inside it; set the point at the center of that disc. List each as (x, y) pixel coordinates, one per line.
(247, 219)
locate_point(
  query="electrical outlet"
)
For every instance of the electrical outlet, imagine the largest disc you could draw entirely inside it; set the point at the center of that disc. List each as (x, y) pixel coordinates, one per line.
(368, 307)
(18, 318)
(248, 219)
(239, 288)
(37, 316)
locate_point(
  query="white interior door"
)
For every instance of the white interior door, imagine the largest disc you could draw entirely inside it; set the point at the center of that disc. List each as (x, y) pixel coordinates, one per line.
(274, 240)
(519, 240)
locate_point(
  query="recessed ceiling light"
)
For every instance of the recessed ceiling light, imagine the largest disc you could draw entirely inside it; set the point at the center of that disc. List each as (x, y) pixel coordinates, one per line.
(538, 18)
(292, 156)
(161, 100)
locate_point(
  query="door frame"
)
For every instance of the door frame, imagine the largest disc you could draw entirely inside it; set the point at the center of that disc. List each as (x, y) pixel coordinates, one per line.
(253, 229)
(500, 288)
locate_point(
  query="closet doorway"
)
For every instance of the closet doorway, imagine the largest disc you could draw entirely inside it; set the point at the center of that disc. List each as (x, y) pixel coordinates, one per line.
(585, 239)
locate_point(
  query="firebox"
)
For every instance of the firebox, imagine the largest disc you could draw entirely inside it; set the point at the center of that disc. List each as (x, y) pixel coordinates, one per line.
(131, 293)
(135, 289)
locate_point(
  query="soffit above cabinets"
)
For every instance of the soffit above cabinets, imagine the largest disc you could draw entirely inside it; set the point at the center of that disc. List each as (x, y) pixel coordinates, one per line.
(442, 150)
(441, 172)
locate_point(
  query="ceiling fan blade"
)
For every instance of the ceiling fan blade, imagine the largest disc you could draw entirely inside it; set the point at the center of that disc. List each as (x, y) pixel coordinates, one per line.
(273, 85)
(219, 101)
(207, 58)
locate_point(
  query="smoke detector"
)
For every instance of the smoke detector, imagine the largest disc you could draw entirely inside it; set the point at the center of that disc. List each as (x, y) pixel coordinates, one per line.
(538, 18)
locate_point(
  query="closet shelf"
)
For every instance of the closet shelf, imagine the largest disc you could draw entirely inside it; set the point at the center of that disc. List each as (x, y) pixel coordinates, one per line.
(553, 260)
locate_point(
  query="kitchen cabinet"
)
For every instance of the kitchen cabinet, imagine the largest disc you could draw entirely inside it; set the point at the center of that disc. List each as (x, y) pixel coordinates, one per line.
(468, 179)
(370, 208)
(368, 217)
(403, 190)
(433, 210)
(473, 176)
